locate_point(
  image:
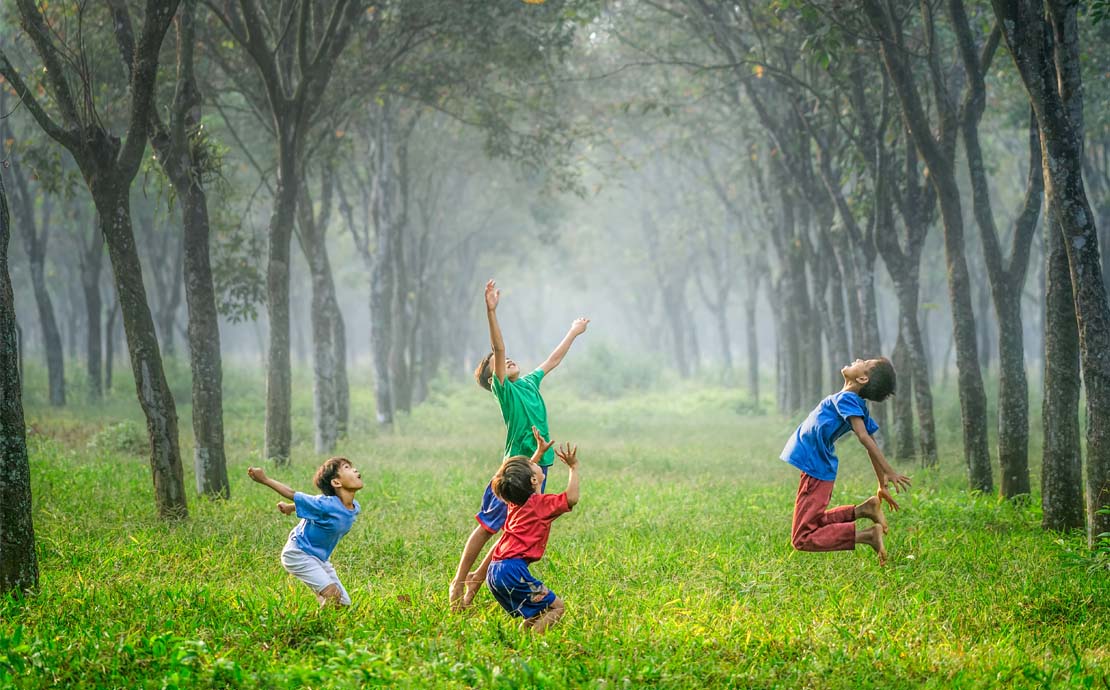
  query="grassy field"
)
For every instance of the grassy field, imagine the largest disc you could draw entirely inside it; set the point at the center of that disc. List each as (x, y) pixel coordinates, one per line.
(675, 567)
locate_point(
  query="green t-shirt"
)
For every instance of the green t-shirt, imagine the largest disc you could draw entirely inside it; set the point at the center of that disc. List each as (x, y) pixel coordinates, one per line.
(522, 408)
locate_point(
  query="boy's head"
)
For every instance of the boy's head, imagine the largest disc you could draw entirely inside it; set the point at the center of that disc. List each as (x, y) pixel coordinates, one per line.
(335, 474)
(517, 479)
(876, 378)
(484, 371)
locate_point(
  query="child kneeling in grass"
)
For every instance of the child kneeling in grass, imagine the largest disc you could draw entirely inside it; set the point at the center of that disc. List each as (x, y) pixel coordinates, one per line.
(519, 483)
(810, 449)
(324, 521)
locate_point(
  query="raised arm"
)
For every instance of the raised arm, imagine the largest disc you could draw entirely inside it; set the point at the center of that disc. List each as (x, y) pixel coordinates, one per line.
(569, 455)
(576, 329)
(541, 445)
(883, 471)
(258, 475)
(493, 296)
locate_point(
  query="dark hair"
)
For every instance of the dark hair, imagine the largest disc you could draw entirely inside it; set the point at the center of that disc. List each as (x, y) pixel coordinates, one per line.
(513, 481)
(881, 381)
(484, 371)
(327, 472)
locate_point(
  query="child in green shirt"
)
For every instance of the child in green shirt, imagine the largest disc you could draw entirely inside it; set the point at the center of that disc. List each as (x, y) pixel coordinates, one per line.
(522, 408)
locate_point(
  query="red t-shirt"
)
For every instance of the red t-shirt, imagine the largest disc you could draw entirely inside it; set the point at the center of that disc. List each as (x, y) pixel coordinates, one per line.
(528, 526)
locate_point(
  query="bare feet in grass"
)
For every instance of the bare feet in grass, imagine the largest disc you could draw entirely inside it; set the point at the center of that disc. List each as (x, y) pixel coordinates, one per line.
(473, 584)
(872, 509)
(873, 537)
(455, 596)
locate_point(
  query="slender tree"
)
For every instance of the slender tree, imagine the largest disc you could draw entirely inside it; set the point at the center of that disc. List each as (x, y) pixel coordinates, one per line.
(108, 165)
(19, 569)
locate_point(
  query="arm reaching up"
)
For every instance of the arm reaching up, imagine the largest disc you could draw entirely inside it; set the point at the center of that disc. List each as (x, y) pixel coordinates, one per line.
(258, 475)
(493, 296)
(576, 329)
(541, 445)
(569, 455)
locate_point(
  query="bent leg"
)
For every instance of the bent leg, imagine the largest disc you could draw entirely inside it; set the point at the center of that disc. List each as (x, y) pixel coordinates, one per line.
(814, 527)
(473, 547)
(546, 618)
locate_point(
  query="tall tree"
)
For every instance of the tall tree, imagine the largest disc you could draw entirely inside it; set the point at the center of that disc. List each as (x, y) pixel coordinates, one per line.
(938, 153)
(18, 565)
(185, 155)
(36, 235)
(108, 165)
(1043, 39)
(295, 75)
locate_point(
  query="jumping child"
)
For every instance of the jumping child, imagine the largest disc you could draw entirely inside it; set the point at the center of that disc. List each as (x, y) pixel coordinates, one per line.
(810, 449)
(522, 408)
(324, 521)
(519, 483)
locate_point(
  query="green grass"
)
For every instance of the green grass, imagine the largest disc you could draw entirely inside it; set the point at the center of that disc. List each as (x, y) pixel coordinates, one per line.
(676, 566)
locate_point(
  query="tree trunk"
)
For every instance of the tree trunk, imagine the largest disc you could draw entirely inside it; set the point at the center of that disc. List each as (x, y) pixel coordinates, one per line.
(752, 339)
(1062, 464)
(903, 402)
(19, 569)
(279, 387)
(209, 460)
(142, 343)
(36, 239)
(109, 344)
(907, 290)
(91, 262)
(342, 385)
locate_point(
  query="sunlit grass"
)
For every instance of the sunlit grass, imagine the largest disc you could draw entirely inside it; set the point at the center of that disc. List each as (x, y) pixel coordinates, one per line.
(676, 566)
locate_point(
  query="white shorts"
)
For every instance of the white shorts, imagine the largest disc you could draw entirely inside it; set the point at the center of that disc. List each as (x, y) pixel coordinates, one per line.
(317, 574)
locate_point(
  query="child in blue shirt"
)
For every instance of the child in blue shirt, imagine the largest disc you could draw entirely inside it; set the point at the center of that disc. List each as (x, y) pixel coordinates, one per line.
(810, 449)
(324, 521)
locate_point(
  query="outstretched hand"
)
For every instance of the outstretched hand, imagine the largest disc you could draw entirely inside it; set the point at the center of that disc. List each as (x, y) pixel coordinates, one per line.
(568, 454)
(579, 326)
(493, 295)
(900, 481)
(286, 508)
(257, 474)
(541, 445)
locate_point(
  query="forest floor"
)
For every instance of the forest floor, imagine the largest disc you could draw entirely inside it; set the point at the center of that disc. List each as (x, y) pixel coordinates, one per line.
(676, 567)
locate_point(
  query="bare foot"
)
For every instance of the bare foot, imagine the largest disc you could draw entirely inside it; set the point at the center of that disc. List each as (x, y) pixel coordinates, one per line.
(872, 509)
(873, 537)
(455, 596)
(473, 584)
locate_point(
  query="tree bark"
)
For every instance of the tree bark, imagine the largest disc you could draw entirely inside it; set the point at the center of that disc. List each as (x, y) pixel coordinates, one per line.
(19, 570)
(92, 255)
(1062, 463)
(903, 402)
(109, 344)
(142, 343)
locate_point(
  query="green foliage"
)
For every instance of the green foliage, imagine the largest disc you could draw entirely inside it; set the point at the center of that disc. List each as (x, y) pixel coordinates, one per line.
(1099, 10)
(676, 566)
(126, 437)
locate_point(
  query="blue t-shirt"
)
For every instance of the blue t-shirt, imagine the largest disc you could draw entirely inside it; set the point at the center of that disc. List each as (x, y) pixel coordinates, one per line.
(810, 448)
(324, 520)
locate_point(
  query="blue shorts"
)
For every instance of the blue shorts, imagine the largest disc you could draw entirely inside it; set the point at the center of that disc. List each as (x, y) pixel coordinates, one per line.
(516, 590)
(493, 512)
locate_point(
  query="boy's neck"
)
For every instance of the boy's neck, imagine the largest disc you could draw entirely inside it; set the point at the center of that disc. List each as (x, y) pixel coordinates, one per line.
(851, 386)
(347, 496)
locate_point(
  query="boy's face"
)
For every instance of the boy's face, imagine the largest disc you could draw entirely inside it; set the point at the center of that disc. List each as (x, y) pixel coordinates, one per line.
(859, 370)
(348, 478)
(537, 478)
(512, 371)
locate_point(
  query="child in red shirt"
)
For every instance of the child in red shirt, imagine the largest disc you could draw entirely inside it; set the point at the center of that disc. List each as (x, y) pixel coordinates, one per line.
(519, 482)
